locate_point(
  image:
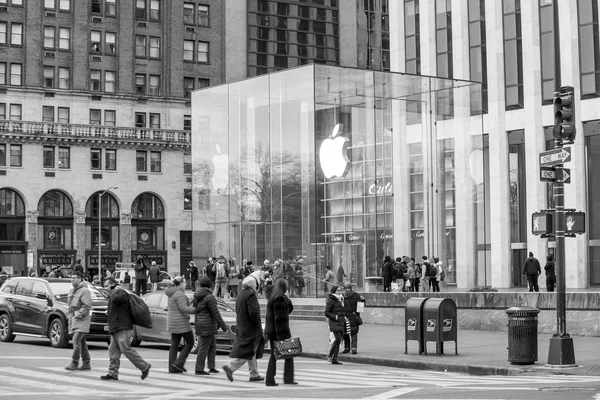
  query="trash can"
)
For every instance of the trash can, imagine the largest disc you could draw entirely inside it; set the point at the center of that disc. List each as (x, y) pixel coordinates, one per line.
(413, 315)
(522, 335)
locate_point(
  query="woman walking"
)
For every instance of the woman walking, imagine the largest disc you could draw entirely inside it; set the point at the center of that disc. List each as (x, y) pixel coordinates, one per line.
(351, 299)
(178, 323)
(334, 311)
(208, 319)
(387, 273)
(277, 327)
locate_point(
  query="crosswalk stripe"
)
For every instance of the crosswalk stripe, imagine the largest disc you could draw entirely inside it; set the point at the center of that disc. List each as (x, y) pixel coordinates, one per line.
(47, 386)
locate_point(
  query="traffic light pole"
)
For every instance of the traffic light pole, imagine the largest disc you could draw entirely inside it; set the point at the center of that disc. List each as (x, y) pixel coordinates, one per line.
(561, 352)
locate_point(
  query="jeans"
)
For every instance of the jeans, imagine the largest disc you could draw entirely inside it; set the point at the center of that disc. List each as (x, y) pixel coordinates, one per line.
(140, 284)
(434, 284)
(194, 284)
(236, 363)
(288, 368)
(207, 348)
(416, 284)
(188, 337)
(119, 344)
(350, 341)
(335, 347)
(80, 348)
(550, 282)
(222, 286)
(532, 280)
(425, 284)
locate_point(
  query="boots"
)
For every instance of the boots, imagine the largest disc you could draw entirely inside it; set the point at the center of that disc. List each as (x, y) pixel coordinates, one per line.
(85, 366)
(72, 367)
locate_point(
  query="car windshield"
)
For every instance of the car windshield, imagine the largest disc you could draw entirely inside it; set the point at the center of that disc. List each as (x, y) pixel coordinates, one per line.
(61, 290)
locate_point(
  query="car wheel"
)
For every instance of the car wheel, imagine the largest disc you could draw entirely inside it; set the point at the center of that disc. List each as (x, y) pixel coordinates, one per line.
(195, 348)
(57, 334)
(135, 341)
(6, 334)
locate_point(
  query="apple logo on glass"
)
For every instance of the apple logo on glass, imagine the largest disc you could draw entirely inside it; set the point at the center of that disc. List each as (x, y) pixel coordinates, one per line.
(333, 155)
(221, 170)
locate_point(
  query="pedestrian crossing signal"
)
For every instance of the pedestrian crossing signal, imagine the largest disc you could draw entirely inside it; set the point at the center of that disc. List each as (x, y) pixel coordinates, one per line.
(541, 223)
(574, 222)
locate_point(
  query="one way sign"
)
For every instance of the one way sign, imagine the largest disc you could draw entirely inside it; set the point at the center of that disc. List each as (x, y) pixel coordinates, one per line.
(555, 156)
(549, 174)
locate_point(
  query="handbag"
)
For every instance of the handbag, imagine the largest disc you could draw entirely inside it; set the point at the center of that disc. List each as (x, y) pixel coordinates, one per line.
(359, 320)
(287, 348)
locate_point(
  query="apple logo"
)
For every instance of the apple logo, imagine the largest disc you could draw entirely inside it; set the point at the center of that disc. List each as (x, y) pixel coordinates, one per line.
(333, 155)
(220, 176)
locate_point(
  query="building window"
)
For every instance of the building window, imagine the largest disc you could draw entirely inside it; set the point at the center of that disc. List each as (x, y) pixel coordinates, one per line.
(16, 34)
(188, 87)
(140, 120)
(203, 83)
(110, 117)
(443, 41)
(412, 64)
(3, 32)
(64, 5)
(203, 15)
(188, 50)
(140, 46)
(96, 38)
(154, 87)
(141, 161)
(110, 8)
(48, 77)
(111, 159)
(64, 157)
(140, 9)
(155, 10)
(16, 155)
(589, 47)
(2, 155)
(188, 13)
(155, 163)
(187, 123)
(187, 163)
(187, 199)
(96, 159)
(49, 32)
(63, 115)
(513, 54)
(95, 76)
(50, 4)
(110, 43)
(154, 121)
(203, 52)
(16, 74)
(95, 117)
(96, 6)
(48, 114)
(110, 81)
(64, 38)
(55, 221)
(63, 78)
(147, 223)
(478, 56)
(154, 47)
(15, 112)
(48, 157)
(3, 111)
(140, 84)
(549, 49)
(3, 73)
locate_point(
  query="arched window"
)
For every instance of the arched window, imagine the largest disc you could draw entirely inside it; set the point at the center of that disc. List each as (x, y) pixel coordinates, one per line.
(110, 222)
(55, 221)
(147, 223)
(12, 216)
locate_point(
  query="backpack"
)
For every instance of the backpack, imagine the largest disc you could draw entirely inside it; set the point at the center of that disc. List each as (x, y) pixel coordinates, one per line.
(417, 271)
(442, 276)
(220, 270)
(430, 270)
(140, 313)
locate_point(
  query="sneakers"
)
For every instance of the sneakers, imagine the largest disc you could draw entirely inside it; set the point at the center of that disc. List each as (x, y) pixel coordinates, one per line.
(85, 367)
(146, 372)
(353, 351)
(179, 368)
(109, 377)
(228, 372)
(201, 373)
(256, 379)
(213, 371)
(73, 366)
(336, 362)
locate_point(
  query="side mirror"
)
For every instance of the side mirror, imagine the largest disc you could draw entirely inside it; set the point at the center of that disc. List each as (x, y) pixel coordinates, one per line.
(41, 296)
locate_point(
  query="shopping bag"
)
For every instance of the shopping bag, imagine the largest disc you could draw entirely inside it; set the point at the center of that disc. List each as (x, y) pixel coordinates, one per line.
(360, 307)
(394, 287)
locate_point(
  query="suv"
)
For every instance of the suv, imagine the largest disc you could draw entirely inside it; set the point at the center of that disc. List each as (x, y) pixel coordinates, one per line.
(38, 307)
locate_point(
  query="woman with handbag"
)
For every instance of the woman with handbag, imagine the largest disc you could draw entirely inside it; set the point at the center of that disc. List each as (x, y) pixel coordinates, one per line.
(335, 313)
(277, 327)
(351, 299)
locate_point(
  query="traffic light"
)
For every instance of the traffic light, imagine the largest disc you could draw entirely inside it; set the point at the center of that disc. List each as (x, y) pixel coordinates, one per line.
(574, 222)
(541, 223)
(564, 115)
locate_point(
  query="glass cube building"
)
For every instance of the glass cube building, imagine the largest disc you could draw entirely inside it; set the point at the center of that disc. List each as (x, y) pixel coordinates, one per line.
(340, 167)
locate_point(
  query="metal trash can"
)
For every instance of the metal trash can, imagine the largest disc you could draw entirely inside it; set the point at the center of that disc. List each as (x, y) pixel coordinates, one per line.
(522, 335)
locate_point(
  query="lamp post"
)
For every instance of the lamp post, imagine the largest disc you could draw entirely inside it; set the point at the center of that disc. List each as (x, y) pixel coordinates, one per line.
(100, 230)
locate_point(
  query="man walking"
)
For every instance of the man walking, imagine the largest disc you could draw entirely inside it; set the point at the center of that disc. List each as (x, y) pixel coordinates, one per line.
(533, 270)
(79, 302)
(221, 270)
(193, 274)
(154, 276)
(141, 279)
(120, 327)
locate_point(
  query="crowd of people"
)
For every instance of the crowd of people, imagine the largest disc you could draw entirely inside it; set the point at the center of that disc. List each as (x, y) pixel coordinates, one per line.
(406, 275)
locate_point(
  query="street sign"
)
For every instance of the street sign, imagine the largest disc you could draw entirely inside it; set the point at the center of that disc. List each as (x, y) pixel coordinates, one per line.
(555, 156)
(549, 174)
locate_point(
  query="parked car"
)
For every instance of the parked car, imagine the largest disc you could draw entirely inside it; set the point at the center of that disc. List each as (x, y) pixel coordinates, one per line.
(119, 276)
(157, 303)
(38, 307)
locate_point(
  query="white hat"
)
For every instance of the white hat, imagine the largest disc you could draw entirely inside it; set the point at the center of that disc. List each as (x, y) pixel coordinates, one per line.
(153, 262)
(250, 282)
(266, 262)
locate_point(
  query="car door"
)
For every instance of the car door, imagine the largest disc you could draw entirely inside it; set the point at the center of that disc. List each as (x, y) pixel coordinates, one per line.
(152, 300)
(37, 309)
(23, 311)
(160, 320)
(8, 302)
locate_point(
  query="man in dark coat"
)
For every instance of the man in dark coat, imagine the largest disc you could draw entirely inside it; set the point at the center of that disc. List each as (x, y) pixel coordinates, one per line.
(154, 276)
(193, 274)
(248, 344)
(532, 269)
(550, 269)
(141, 279)
(208, 270)
(387, 273)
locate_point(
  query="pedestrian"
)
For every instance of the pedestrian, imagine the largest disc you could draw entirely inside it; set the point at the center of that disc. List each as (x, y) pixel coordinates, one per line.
(221, 270)
(248, 344)
(434, 280)
(248, 269)
(47, 272)
(277, 327)
(335, 313)
(387, 273)
(127, 280)
(299, 277)
(410, 276)
(193, 274)
(154, 276)
(550, 269)
(329, 280)
(425, 274)
(178, 324)
(120, 327)
(141, 279)
(208, 320)
(235, 277)
(208, 270)
(340, 275)
(533, 270)
(79, 305)
(78, 266)
(351, 299)
(277, 271)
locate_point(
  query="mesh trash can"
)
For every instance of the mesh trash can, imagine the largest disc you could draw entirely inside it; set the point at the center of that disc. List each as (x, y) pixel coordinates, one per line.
(522, 335)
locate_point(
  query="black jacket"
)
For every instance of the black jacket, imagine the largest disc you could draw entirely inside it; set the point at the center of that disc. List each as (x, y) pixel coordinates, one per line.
(248, 324)
(532, 266)
(119, 316)
(350, 302)
(277, 323)
(208, 318)
(335, 313)
(550, 268)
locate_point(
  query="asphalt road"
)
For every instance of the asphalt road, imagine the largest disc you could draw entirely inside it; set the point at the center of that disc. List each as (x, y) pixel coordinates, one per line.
(31, 369)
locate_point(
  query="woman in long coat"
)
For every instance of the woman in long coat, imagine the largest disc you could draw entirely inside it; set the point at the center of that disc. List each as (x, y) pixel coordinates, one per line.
(351, 299)
(387, 273)
(277, 327)
(335, 313)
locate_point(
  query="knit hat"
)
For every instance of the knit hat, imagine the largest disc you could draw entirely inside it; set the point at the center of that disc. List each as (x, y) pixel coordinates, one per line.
(205, 282)
(347, 285)
(333, 289)
(178, 279)
(248, 262)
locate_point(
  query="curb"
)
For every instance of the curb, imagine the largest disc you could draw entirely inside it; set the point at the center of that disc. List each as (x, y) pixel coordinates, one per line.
(424, 365)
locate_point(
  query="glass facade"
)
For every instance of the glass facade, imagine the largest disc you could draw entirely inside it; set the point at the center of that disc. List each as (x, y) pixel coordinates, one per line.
(320, 163)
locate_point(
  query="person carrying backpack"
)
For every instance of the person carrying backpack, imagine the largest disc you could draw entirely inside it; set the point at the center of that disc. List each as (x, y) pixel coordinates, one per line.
(425, 274)
(221, 271)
